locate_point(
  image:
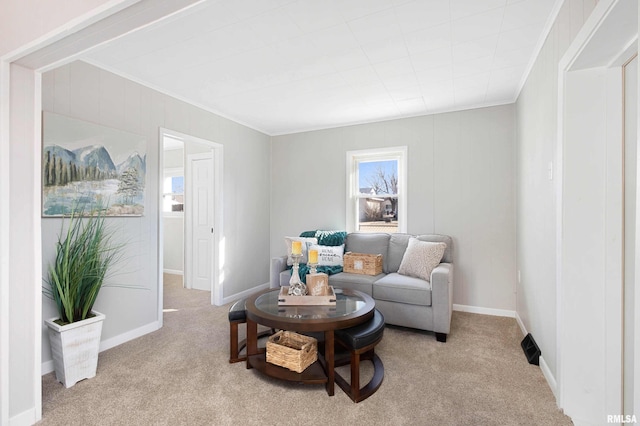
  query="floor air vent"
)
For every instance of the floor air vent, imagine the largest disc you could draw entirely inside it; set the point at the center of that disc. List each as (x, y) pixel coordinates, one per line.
(531, 349)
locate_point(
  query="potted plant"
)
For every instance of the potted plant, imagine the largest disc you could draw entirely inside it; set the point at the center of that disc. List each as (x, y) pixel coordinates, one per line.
(84, 254)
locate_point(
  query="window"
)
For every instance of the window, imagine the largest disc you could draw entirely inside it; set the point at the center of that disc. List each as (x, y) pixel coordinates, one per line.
(173, 191)
(376, 188)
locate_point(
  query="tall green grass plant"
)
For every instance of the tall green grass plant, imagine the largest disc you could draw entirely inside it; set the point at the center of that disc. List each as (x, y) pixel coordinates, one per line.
(84, 254)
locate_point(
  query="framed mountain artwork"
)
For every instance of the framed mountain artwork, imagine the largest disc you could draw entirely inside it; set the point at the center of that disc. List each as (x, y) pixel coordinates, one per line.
(88, 166)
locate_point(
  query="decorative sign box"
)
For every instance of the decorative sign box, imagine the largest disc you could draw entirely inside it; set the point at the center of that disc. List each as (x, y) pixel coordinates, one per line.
(318, 284)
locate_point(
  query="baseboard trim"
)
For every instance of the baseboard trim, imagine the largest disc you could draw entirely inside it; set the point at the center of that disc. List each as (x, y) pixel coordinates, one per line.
(523, 329)
(173, 271)
(47, 366)
(129, 335)
(26, 418)
(245, 293)
(546, 372)
(484, 311)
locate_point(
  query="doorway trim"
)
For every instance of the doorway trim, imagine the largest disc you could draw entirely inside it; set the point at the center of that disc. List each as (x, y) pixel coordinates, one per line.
(604, 27)
(217, 275)
(4, 245)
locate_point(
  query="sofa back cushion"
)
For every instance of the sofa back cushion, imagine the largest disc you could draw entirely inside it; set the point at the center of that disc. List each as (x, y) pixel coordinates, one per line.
(437, 238)
(397, 247)
(369, 243)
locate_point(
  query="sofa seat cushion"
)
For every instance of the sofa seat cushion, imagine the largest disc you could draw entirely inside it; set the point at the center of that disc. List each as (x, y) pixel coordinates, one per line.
(358, 282)
(400, 288)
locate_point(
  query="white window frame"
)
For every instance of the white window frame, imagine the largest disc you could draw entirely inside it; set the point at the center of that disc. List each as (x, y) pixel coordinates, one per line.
(172, 172)
(398, 153)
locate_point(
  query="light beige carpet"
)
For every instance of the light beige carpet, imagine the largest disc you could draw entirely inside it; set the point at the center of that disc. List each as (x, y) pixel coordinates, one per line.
(180, 375)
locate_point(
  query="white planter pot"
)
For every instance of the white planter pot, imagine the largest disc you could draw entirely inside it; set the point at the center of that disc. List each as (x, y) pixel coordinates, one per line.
(75, 348)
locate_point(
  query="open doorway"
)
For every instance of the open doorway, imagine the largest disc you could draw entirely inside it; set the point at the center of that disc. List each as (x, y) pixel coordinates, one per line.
(190, 221)
(173, 207)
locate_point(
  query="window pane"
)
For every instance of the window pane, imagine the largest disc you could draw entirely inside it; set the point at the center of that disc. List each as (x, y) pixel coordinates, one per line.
(378, 177)
(378, 214)
(177, 184)
(376, 190)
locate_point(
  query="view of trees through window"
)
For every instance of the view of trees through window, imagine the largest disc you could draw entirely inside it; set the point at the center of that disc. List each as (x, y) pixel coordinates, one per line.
(378, 194)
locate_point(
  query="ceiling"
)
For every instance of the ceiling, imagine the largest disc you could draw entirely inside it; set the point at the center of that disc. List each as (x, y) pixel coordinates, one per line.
(285, 66)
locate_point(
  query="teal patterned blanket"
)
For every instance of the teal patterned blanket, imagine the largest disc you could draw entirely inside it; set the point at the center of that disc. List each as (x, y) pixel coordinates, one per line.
(325, 238)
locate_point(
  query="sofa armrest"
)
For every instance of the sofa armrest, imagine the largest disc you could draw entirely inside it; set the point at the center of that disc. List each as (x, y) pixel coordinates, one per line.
(278, 264)
(442, 297)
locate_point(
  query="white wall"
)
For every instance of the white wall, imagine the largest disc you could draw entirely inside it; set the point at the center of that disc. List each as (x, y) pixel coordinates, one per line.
(173, 158)
(173, 249)
(460, 183)
(85, 92)
(537, 114)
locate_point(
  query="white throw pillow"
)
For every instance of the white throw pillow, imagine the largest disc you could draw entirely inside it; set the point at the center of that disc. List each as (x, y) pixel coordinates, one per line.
(420, 258)
(305, 244)
(329, 255)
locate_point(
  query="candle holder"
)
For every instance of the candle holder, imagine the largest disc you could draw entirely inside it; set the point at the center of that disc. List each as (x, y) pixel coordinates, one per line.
(313, 268)
(296, 287)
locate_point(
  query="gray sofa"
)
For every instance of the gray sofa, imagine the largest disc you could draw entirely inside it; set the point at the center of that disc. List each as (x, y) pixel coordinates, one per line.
(403, 300)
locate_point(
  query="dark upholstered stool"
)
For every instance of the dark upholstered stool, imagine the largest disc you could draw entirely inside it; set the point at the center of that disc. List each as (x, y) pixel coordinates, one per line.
(238, 315)
(360, 341)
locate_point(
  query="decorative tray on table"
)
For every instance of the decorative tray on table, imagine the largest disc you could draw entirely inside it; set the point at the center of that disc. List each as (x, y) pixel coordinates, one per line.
(285, 299)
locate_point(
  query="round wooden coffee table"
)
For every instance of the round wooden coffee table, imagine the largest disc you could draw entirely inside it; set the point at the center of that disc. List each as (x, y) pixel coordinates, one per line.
(352, 308)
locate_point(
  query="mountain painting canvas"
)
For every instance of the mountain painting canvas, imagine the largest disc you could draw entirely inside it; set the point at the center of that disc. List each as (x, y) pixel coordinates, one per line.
(90, 166)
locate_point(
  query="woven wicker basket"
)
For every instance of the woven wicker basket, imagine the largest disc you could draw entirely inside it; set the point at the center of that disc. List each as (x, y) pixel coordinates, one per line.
(292, 350)
(361, 263)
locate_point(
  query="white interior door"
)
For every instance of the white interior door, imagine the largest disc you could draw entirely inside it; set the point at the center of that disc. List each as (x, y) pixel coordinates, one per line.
(200, 209)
